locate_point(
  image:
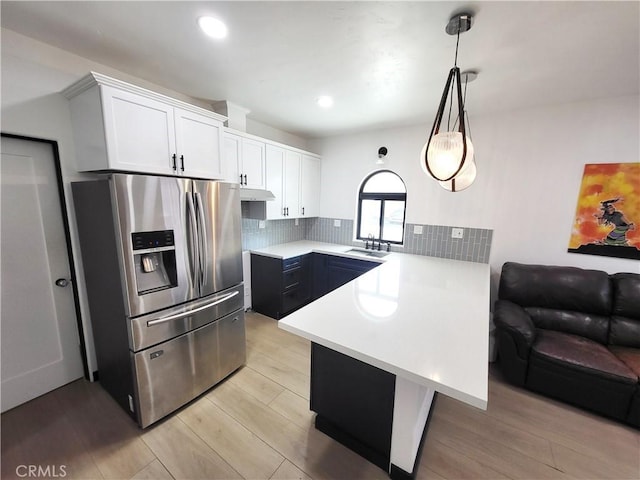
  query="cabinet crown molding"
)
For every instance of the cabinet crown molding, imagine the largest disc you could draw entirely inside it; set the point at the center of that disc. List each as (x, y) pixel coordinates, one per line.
(266, 141)
(94, 78)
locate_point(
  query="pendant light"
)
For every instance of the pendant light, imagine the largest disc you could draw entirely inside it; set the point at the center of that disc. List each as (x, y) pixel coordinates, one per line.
(468, 173)
(446, 154)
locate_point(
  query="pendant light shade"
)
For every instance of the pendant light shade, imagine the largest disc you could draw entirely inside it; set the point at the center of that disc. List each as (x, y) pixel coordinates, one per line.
(463, 180)
(447, 156)
(444, 154)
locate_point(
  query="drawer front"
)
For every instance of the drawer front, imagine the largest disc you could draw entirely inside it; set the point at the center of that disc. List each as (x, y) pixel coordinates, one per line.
(293, 278)
(232, 343)
(155, 328)
(294, 262)
(172, 373)
(295, 298)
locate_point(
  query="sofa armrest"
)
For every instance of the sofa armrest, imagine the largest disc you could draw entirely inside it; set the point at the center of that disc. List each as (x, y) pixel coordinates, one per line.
(513, 320)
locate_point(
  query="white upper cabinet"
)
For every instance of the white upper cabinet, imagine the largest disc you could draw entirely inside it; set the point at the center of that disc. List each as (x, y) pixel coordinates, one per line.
(243, 161)
(275, 181)
(252, 163)
(139, 134)
(310, 186)
(291, 188)
(231, 151)
(198, 145)
(121, 127)
(292, 175)
(283, 180)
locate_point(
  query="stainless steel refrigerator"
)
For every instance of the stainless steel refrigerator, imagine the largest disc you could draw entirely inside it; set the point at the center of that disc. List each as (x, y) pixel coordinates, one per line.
(162, 262)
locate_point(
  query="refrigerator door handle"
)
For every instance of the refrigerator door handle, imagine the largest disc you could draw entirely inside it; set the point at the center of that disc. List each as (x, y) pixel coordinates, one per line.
(178, 316)
(193, 241)
(202, 239)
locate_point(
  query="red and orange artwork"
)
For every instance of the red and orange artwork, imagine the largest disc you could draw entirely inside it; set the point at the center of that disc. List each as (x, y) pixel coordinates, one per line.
(607, 220)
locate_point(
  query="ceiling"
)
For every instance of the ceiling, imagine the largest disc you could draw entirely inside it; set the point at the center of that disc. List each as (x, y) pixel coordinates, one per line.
(385, 63)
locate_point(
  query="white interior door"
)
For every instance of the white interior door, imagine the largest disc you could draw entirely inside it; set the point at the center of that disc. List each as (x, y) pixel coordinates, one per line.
(40, 341)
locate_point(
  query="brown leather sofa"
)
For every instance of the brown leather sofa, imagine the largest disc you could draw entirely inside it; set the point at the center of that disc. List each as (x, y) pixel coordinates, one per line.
(572, 334)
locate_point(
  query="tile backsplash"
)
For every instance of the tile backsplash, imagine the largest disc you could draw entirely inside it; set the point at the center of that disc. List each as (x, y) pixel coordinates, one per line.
(325, 230)
(273, 233)
(434, 241)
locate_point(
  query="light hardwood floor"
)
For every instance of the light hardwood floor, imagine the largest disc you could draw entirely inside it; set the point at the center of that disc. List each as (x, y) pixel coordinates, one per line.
(257, 425)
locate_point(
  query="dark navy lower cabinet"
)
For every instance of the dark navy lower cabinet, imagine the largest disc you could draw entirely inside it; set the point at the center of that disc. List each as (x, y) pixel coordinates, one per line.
(332, 271)
(279, 287)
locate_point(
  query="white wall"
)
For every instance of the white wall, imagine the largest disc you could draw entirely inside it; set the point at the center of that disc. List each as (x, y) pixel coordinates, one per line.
(265, 131)
(32, 75)
(530, 165)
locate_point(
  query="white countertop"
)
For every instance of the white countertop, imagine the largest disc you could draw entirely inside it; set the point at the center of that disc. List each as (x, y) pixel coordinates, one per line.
(302, 247)
(422, 318)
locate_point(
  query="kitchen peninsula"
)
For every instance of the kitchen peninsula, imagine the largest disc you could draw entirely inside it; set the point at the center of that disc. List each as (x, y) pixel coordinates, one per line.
(386, 342)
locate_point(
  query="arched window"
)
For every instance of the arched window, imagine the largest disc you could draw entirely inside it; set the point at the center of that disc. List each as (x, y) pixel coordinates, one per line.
(381, 207)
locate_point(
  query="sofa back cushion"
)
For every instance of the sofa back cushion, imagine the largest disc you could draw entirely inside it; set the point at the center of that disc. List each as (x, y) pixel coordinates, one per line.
(559, 288)
(566, 299)
(594, 327)
(625, 321)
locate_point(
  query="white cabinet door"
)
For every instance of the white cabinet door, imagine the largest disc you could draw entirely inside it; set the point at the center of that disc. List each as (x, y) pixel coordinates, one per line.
(275, 158)
(140, 132)
(310, 187)
(283, 180)
(231, 151)
(252, 164)
(197, 145)
(292, 161)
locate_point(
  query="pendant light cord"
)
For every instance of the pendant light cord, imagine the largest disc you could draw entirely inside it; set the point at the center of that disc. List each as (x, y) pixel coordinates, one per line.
(455, 60)
(455, 64)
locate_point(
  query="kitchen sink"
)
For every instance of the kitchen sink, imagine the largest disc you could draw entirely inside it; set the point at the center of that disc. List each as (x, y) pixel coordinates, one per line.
(368, 253)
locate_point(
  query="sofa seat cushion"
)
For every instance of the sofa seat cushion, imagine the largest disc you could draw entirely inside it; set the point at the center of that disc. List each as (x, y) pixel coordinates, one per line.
(629, 356)
(582, 354)
(582, 372)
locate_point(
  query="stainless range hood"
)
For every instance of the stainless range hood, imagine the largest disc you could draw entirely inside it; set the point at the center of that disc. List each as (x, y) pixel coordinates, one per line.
(255, 195)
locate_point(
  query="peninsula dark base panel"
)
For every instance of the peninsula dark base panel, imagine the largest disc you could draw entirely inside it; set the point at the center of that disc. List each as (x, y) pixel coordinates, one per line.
(354, 402)
(363, 449)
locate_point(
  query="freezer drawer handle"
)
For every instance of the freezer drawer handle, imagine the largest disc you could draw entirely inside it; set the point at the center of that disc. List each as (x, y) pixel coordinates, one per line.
(178, 316)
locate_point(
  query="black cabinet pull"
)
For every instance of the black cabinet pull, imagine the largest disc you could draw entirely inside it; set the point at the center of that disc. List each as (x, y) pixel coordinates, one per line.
(173, 157)
(245, 179)
(182, 162)
(241, 180)
(303, 210)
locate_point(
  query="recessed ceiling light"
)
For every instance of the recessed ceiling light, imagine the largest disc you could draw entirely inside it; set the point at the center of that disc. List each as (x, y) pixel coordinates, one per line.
(325, 101)
(213, 27)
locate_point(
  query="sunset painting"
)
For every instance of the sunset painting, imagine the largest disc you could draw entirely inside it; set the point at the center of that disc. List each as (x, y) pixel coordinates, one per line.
(607, 220)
